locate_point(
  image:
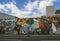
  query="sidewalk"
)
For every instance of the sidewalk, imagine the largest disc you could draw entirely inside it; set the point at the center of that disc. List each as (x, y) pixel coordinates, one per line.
(25, 37)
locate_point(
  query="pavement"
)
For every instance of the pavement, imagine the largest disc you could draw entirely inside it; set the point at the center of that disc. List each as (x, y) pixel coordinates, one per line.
(29, 37)
(58, 31)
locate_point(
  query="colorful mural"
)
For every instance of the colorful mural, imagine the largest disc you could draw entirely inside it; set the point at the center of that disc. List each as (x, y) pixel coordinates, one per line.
(30, 26)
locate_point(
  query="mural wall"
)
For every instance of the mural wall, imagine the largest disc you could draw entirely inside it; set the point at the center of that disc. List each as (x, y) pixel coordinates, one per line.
(30, 26)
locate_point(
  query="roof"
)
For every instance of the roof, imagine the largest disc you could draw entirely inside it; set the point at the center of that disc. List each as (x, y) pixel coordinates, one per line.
(57, 11)
(3, 15)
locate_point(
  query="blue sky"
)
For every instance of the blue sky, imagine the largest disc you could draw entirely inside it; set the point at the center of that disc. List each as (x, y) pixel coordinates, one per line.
(27, 7)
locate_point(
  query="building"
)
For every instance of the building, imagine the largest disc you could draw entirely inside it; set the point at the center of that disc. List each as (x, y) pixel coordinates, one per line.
(50, 11)
(7, 17)
(8, 20)
(57, 12)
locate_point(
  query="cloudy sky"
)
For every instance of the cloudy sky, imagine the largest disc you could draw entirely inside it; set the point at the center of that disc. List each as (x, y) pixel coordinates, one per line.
(27, 8)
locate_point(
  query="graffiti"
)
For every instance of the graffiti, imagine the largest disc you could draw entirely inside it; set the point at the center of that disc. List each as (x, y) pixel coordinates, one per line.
(29, 26)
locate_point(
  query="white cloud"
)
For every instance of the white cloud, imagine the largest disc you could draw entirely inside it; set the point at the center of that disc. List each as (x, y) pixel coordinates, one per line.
(1, 6)
(43, 4)
(31, 5)
(40, 6)
(16, 12)
(28, 8)
(14, 9)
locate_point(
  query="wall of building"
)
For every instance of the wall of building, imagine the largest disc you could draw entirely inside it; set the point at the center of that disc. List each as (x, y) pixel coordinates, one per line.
(50, 11)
